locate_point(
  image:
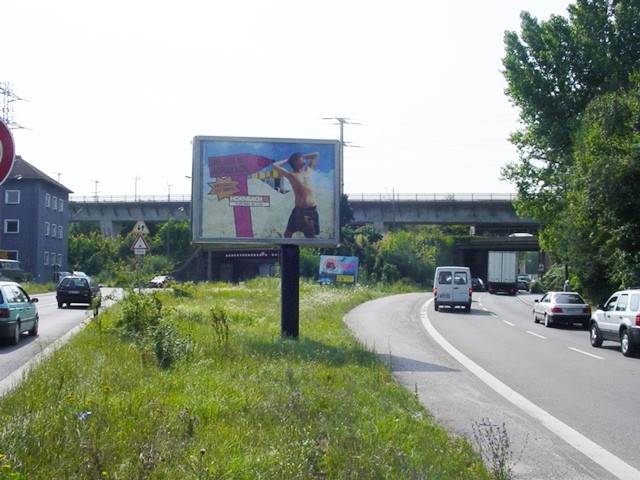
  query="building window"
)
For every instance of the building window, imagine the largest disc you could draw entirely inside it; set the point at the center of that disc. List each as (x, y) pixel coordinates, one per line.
(47, 200)
(46, 258)
(54, 229)
(12, 226)
(12, 197)
(54, 202)
(46, 229)
(12, 255)
(60, 205)
(59, 260)
(59, 231)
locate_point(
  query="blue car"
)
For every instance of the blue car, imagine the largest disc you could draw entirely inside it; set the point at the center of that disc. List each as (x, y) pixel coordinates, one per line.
(18, 312)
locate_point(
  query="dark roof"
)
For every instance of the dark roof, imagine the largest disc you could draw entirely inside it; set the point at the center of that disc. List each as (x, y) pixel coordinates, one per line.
(29, 172)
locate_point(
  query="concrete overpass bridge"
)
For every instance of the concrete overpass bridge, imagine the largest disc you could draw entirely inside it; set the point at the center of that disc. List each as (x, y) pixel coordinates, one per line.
(492, 213)
(492, 221)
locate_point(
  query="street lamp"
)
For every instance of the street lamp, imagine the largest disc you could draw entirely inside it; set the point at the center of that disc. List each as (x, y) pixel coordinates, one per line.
(170, 219)
(135, 188)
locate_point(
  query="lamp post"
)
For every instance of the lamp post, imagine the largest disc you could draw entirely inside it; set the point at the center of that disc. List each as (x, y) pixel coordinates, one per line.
(170, 220)
(135, 188)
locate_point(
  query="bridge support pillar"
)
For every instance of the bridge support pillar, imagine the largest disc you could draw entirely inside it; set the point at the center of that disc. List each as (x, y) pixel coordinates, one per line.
(379, 227)
(107, 228)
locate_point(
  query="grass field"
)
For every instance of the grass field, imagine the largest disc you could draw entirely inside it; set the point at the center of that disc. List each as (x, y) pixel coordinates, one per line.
(197, 383)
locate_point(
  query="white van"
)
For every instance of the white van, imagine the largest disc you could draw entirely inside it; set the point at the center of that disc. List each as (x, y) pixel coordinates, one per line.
(452, 287)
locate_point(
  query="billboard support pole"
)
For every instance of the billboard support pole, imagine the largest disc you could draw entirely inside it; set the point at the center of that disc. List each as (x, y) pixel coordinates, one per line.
(290, 290)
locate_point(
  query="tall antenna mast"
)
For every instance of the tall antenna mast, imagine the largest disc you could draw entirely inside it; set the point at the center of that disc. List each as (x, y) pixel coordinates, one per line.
(7, 97)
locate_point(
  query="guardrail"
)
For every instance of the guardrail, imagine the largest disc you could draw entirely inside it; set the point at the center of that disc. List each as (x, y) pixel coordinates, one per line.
(362, 197)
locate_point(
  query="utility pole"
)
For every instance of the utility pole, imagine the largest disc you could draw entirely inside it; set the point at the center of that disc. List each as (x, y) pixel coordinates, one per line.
(341, 121)
(95, 189)
(169, 185)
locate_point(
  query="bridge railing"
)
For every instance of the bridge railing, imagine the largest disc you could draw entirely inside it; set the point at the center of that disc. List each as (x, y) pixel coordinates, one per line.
(128, 198)
(429, 197)
(363, 197)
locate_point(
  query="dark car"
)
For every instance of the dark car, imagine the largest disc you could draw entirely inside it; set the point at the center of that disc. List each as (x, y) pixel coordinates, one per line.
(477, 284)
(78, 289)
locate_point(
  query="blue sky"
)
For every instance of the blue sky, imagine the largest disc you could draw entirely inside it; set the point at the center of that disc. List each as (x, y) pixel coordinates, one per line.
(115, 92)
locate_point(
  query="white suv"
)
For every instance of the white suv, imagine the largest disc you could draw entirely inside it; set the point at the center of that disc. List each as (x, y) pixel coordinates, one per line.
(618, 320)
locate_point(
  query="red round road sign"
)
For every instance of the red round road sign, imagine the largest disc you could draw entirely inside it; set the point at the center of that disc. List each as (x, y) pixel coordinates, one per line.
(7, 152)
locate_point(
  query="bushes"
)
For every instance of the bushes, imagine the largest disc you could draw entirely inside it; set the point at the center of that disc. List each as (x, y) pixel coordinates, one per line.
(141, 320)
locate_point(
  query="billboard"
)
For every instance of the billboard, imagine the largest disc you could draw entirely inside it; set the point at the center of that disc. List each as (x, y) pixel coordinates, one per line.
(336, 269)
(265, 191)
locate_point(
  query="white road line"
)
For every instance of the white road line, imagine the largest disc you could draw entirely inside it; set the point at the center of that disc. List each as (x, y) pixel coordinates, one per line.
(509, 323)
(586, 353)
(598, 454)
(536, 334)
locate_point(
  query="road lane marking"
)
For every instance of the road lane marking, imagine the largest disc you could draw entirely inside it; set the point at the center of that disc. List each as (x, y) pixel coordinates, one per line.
(598, 454)
(536, 334)
(509, 323)
(586, 353)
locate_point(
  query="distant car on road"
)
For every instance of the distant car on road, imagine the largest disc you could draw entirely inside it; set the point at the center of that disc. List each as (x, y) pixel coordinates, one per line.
(78, 289)
(477, 284)
(562, 308)
(618, 320)
(523, 282)
(12, 270)
(160, 281)
(18, 312)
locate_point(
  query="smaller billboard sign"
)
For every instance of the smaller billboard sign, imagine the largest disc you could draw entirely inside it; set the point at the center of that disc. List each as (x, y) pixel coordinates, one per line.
(336, 269)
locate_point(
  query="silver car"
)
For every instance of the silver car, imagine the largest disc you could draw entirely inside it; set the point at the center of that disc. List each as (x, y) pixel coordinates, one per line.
(562, 308)
(618, 320)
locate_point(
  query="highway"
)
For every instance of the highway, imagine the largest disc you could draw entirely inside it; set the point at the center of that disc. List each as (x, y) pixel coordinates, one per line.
(567, 407)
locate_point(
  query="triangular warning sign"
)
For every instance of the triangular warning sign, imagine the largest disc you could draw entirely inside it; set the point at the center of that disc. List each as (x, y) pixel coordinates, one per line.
(140, 244)
(140, 227)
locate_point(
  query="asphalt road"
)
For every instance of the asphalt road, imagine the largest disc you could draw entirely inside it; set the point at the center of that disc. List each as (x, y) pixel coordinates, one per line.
(567, 408)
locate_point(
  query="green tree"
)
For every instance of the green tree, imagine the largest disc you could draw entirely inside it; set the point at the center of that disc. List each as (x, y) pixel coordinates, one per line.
(92, 252)
(410, 254)
(172, 239)
(554, 69)
(603, 200)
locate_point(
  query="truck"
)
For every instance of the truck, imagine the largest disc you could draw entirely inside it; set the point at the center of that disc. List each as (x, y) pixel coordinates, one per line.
(502, 273)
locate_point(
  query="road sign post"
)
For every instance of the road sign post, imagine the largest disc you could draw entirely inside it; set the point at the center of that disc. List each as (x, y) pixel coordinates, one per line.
(7, 152)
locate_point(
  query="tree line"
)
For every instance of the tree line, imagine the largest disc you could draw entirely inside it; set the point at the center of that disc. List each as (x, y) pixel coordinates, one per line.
(408, 255)
(576, 83)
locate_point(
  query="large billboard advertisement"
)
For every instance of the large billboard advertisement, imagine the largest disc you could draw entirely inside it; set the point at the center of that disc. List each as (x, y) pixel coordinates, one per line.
(265, 191)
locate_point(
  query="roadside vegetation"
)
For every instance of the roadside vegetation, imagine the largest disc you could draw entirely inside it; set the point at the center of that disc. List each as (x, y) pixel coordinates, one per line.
(575, 80)
(196, 382)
